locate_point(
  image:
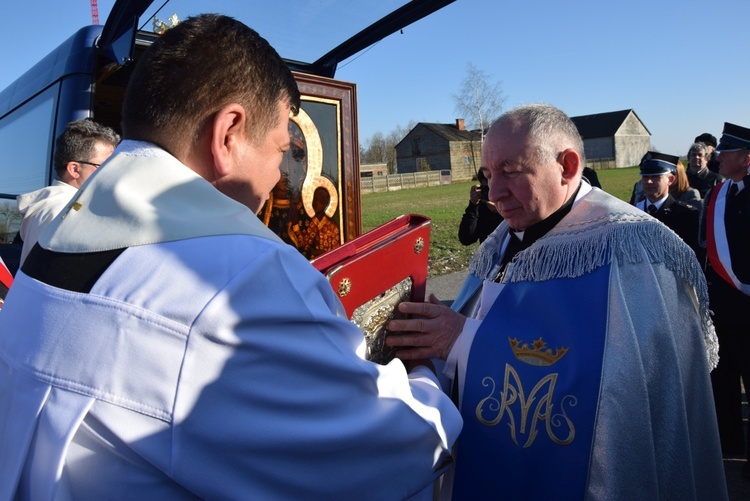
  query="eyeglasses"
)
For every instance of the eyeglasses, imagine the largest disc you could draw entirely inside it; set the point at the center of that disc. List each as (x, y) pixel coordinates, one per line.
(87, 163)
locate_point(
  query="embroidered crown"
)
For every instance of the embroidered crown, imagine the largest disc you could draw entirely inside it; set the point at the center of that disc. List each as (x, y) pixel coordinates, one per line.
(537, 353)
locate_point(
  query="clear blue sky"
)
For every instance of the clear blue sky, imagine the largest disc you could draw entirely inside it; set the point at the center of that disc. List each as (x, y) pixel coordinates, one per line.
(680, 64)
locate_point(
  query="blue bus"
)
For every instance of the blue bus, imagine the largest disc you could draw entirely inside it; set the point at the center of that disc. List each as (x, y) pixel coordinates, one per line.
(86, 76)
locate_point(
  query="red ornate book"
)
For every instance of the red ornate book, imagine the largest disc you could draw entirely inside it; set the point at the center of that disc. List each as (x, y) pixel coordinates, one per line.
(374, 272)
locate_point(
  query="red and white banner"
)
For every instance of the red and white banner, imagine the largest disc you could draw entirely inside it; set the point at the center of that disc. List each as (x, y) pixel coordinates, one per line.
(716, 238)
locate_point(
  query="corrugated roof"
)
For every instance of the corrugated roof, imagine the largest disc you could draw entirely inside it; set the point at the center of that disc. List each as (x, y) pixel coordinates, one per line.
(602, 124)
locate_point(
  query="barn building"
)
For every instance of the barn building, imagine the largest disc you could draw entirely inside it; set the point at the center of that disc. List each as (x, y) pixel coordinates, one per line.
(614, 139)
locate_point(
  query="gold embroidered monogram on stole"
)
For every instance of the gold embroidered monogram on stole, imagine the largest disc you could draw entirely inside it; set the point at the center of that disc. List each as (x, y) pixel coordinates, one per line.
(537, 407)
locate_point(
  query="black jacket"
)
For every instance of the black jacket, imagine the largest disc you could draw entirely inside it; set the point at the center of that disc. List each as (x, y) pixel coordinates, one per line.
(704, 181)
(683, 220)
(729, 305)
(477, 223)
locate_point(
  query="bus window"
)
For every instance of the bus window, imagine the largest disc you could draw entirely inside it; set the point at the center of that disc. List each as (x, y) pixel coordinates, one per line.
(10, 220)
(26, 143)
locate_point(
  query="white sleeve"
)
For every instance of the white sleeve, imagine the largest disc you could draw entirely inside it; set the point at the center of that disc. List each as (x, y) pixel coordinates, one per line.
(459, 354)
(275, 400)
(458, 357)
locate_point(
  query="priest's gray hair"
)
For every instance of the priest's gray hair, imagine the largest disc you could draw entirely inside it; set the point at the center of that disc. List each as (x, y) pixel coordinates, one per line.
(551, 130)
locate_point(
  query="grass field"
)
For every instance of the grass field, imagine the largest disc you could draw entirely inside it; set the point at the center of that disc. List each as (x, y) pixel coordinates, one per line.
(445, 205)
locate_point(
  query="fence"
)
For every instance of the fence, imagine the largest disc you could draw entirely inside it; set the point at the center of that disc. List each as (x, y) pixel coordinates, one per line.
(394, 182)
(601, 163)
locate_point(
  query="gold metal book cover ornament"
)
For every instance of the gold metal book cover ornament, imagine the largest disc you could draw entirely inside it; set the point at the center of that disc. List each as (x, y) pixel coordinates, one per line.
(370, 290)
(345, 287)
(419, 245)
(373, 316)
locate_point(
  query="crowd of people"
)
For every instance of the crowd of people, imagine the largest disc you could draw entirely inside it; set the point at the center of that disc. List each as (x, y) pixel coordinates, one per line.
(576, 361)
(716, 225)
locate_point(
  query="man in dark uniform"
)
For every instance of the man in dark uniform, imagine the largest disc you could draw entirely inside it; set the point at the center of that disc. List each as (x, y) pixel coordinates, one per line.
(658, 171)
(726, 226)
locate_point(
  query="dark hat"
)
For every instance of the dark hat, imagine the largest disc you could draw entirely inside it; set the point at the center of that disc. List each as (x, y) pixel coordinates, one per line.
(706, 138)
(734, 138)
(655, 164)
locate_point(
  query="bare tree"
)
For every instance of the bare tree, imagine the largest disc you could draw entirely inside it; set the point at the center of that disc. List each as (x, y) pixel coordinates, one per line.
(375, 152)
(10, 218)
(480, 100)
(382, 149)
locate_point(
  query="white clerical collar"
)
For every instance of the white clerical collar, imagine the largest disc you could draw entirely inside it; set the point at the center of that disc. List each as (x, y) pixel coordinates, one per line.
(582, 191)
(143, 195)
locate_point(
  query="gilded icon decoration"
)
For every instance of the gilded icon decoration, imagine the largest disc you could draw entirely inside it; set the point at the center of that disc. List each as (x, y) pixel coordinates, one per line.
(303, 206)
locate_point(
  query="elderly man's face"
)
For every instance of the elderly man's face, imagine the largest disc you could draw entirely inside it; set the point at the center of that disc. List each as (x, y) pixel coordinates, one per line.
(526, 185)
(697, 160)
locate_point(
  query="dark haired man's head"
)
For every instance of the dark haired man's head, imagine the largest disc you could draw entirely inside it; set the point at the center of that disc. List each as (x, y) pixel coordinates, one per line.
(707, 139)
(195, 69)
(81, 148)
(217, 96)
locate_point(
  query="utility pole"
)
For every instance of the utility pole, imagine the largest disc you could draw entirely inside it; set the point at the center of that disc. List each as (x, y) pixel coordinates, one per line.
(94, 13)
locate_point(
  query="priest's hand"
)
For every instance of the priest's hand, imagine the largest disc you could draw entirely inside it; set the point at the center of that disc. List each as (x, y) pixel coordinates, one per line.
(430, 333)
